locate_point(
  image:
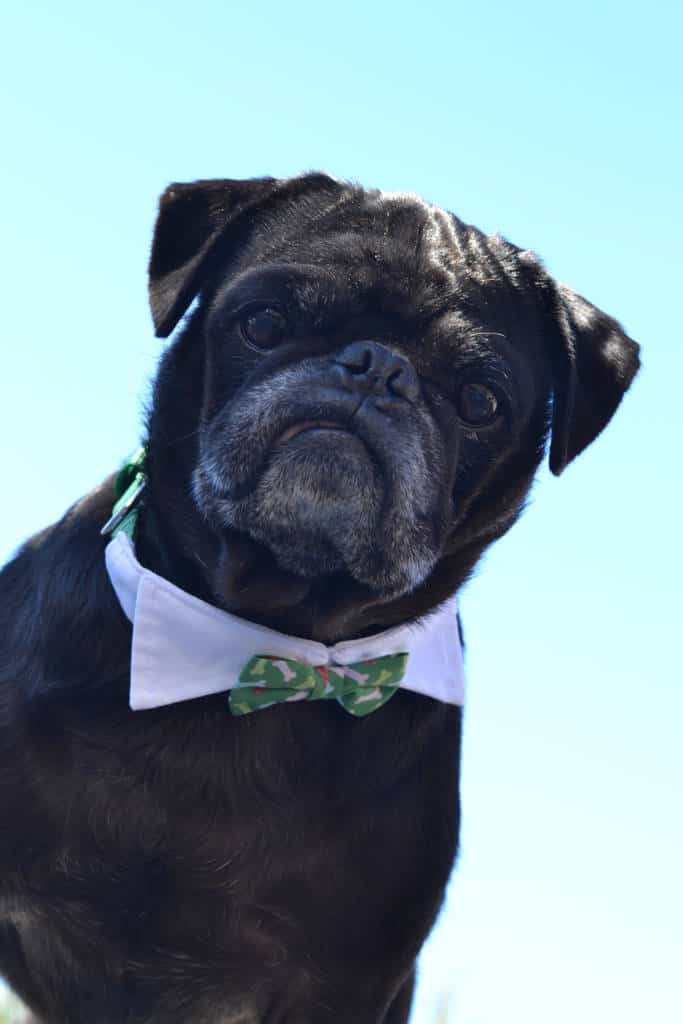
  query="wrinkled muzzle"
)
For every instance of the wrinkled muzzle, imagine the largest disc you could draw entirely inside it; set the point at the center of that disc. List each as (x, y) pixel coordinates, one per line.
(334, 463)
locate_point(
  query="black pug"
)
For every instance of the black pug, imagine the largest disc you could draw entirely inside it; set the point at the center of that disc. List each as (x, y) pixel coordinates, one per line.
(353, 411)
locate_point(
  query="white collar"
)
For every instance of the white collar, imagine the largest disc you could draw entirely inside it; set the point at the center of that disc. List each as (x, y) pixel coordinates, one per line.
(185, 648)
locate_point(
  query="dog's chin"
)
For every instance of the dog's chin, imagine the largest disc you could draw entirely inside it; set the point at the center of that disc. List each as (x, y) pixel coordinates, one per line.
(317, 497)
(320, 507)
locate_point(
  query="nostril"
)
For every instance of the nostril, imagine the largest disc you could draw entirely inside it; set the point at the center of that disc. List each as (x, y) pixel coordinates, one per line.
(357, 358)
(364, 361)
(403, 382)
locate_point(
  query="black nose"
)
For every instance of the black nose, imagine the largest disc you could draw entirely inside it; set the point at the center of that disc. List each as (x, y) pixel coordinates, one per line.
(380, 370)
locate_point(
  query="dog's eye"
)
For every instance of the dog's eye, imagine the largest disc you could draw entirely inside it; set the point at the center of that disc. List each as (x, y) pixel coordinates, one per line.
(263, 328)
(478, 405)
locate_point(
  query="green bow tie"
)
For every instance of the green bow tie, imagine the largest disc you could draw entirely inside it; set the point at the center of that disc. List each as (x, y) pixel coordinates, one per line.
(360, 688)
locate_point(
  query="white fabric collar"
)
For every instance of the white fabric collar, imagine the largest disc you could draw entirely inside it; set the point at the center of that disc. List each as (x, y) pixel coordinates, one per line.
(185, 648)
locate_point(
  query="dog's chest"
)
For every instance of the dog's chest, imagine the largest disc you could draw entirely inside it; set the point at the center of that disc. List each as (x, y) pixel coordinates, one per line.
(203, 854)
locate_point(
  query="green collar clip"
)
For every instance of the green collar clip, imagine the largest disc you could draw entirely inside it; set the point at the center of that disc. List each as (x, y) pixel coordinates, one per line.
(128, 487)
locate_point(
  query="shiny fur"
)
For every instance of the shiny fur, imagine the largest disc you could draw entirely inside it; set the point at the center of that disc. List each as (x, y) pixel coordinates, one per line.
(179, 865)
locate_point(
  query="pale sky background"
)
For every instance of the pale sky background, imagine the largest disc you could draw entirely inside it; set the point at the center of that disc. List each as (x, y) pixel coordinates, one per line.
(558, 125)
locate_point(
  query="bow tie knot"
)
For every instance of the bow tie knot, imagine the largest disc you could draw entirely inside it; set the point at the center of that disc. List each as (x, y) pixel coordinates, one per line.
(360, 688)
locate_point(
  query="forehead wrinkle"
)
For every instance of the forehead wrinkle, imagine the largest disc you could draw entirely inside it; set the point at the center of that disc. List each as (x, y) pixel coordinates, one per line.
(398, 243)
(439, 250)
(456, 262)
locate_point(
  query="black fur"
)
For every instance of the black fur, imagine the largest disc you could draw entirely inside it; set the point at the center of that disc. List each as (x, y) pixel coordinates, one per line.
(180, 865)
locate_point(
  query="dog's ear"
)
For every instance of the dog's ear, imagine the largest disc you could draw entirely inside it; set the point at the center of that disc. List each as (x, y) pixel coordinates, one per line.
(197, 225)
(191, 222)
(595, 364)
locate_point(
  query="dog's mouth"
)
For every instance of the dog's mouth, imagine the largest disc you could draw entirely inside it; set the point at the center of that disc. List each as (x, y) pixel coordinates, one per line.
(306, 426)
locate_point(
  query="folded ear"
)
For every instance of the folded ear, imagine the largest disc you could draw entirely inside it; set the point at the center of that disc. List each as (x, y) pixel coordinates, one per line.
(596, 363)
(197, 225)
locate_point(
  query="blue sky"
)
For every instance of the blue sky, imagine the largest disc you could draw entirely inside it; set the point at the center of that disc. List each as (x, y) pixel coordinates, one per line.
(558, 126)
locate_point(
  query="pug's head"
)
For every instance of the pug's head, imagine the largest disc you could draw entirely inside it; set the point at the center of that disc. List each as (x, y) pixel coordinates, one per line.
(358, 403)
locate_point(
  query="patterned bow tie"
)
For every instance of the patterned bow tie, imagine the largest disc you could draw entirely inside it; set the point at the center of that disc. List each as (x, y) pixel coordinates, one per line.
(360, 688)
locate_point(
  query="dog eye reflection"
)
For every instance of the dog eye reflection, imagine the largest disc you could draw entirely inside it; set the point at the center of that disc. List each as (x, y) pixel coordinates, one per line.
(263, 328)
(478, 405)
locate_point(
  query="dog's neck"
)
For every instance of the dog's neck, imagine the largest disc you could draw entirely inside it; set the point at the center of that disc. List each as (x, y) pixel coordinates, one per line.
(242, 577)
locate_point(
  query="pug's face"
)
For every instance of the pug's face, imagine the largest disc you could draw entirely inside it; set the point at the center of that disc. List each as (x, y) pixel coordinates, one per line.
(377, 377)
